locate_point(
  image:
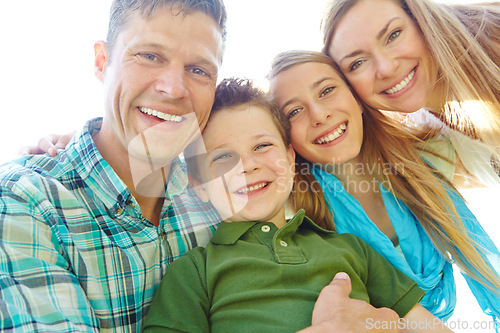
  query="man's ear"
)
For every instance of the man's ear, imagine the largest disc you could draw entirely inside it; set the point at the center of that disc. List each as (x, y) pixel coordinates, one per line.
(100, 59)
(199, 189)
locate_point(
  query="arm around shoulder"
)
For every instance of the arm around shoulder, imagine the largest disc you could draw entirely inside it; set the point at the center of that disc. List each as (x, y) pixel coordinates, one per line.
(419, 320)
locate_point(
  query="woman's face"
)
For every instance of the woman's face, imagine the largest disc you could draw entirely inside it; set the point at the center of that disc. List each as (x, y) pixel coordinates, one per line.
(326, 120)
(382, 53)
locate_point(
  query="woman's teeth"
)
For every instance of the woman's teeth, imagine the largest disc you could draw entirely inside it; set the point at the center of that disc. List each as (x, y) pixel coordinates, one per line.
(161, 115)
(332, 136)
(251, 188)
(401, 85)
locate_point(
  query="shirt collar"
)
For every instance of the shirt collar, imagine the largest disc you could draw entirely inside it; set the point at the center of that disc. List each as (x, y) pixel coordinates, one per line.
(101, 177)
(229, 233)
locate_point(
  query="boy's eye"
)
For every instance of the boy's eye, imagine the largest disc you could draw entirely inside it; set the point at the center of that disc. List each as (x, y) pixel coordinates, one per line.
(327, 91)
(263, 145)
(222, 161)
(221, 157)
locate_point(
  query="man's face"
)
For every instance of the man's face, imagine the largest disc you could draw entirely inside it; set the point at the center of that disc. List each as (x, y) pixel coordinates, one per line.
(159, 83)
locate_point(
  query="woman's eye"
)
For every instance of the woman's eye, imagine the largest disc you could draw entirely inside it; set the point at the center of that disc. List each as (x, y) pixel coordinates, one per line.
(355, 65)
(326, 91)
(394, 35)
(293, 112)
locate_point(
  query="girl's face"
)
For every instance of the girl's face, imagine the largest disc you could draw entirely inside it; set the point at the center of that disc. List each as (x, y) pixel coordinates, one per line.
(252, 170)
(382, 53)
(326, 120)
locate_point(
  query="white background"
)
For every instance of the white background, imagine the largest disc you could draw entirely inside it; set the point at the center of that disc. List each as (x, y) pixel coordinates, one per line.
(48, 86)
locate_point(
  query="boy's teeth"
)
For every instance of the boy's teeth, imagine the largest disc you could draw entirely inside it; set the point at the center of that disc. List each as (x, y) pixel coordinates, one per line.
(161, 115)
(251, 188)
(332, 136)
(401, 85)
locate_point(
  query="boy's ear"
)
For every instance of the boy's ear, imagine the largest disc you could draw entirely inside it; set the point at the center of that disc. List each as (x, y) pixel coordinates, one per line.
(199, 189)
(100, 59)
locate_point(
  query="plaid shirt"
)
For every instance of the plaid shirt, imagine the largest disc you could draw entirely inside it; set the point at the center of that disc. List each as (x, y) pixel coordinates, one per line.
(76, 254)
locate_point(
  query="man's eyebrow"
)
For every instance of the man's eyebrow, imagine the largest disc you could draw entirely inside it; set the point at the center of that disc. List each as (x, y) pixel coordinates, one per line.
(379, 35)
(148, 44)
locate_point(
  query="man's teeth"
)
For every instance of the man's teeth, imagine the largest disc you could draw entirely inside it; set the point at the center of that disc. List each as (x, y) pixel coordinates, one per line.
(401, 85)
(161, 115)
(251, 188)
(332, 136)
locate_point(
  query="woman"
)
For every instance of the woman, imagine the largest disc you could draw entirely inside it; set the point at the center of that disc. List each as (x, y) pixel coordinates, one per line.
(377, 185)
(404, 55)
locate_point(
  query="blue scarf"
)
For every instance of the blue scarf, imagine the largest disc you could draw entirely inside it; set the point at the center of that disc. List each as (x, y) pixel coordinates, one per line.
(422, 261)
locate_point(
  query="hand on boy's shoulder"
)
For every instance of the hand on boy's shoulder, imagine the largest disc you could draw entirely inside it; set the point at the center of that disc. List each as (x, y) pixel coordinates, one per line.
(336, 312)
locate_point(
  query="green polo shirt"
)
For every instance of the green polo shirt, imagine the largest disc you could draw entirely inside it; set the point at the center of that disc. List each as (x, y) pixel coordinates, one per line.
(252, 277)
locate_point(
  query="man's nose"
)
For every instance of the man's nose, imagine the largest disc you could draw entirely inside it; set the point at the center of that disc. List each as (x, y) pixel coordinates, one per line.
(172, 82)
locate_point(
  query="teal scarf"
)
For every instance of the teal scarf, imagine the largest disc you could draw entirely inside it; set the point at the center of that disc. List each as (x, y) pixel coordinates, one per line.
(422, 262)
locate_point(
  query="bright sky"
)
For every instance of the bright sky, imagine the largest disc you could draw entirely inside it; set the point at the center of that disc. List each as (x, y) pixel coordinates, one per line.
(46, 58)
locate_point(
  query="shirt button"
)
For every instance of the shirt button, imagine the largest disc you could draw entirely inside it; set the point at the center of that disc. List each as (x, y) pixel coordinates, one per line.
(132, 205)
(119, 211)
(283, 243)
(265, 228)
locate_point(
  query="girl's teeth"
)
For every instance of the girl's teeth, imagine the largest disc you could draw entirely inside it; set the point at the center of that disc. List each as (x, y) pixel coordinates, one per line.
(332, 136)
(161, 115)
(402, 84)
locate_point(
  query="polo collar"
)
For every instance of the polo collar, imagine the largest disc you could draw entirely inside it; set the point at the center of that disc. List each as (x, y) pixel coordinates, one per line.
(228, 233)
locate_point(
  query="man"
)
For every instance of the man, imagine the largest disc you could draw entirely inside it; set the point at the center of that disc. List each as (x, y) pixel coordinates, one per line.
(87, 235)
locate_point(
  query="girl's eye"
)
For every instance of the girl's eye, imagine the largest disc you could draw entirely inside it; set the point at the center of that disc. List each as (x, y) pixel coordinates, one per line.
(355, 65)
(395, 34)
(326, 91)
(293, 112)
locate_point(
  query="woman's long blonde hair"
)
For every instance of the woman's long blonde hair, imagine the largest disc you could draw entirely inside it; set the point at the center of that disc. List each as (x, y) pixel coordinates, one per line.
(412, 181)
(464, 41)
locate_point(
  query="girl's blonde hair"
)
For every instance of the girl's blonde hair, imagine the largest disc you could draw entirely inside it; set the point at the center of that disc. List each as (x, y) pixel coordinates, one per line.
(465, 45)
(412, 181)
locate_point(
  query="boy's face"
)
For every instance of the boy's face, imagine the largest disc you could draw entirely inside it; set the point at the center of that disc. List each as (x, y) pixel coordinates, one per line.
(251, 170)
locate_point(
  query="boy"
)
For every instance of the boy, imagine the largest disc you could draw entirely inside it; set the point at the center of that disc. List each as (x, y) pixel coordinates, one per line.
(260, 272)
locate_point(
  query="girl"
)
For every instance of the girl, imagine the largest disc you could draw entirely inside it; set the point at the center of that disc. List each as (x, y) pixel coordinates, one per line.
(404, 55)
(377, 185)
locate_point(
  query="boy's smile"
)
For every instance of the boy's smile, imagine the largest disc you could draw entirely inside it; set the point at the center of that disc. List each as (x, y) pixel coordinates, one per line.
(252, 170)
